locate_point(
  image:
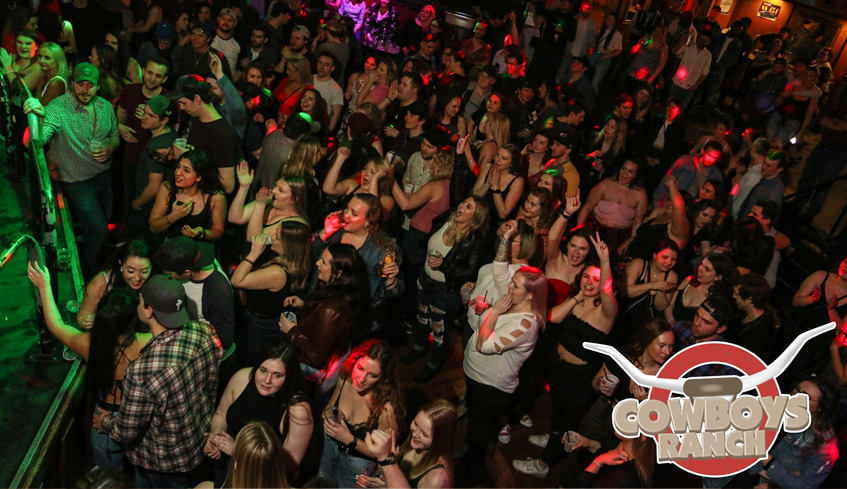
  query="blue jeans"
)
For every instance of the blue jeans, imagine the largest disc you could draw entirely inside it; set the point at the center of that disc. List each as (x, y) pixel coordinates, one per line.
(782, 128)
(145, 479)
(340, 468)
(436, 308)
(260, 332)
(107, 453)
(683, 95)
(90, 202)
(823, 164)
(600, 66)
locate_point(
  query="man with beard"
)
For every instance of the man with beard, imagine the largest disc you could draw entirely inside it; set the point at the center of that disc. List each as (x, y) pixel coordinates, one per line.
(298, 44)
(224, 40)
(226, 98)
(258, 49)
(208, 131)
(83, 133)
(711, 321)
(195, 57)
(129, 111)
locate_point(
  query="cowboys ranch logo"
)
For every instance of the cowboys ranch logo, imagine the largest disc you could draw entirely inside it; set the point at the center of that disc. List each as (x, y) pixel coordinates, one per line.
(713, 429)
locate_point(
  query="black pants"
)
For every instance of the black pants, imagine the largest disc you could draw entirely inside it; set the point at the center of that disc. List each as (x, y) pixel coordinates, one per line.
(570, 394)
(485, 404)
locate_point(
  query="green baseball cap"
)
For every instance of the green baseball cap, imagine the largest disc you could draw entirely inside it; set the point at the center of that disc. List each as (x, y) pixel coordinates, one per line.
(86, 72)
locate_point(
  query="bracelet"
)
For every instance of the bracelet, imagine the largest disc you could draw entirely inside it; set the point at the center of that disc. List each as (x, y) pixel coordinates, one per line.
(202, 234)
(497, 191)
(167, 220)
(249, 261)
(565, 214)
(352, 445)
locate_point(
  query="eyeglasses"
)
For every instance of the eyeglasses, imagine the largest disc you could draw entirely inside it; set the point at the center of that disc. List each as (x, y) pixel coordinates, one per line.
(798, 390)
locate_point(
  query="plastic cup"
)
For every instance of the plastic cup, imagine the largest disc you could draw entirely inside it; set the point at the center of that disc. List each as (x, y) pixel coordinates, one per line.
(63, 259)
(466, 294)
(290, 316)
(181, 143)
(480, 305)
(95, 146)
(73, 306)
(571, 439)
(612, 381)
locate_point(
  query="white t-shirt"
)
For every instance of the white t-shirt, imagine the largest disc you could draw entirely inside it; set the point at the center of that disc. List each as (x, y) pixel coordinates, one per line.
(692, 66)
(436, 242)
(230, 48)
(615, 44)
(330, 90)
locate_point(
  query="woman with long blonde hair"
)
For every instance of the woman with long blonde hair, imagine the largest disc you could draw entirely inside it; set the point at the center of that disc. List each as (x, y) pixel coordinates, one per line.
(54, 72)
(368, 181)
(456, 252)
(257, 459)
(299, 78)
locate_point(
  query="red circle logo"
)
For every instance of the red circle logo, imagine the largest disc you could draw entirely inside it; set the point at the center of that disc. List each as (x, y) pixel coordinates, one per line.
(733, 356)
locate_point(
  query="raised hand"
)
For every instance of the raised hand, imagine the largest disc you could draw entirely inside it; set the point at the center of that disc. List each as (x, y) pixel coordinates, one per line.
(293, 301)
(510, 228)
(600, 246)
(244, 174)
(572, 204)
(380, 443)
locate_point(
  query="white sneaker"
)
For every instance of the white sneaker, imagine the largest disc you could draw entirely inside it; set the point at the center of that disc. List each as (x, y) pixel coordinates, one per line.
(530, 467)
(505, 435)
(526, 421)
(539, 440)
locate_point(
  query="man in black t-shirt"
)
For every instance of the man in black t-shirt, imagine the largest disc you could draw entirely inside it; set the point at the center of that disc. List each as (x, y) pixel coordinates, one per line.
(209, 293)
(208, 131)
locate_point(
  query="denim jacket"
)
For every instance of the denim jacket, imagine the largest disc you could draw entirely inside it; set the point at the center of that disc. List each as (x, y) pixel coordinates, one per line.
(789, 468)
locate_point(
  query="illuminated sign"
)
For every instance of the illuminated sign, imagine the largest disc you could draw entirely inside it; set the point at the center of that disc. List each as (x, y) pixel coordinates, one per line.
(768, 11)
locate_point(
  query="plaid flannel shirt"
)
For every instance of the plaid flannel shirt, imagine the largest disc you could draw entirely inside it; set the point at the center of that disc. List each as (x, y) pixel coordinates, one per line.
(684, 339)
(169, 400)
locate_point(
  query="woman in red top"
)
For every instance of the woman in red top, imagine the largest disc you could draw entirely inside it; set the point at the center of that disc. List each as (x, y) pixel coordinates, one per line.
(299, 78)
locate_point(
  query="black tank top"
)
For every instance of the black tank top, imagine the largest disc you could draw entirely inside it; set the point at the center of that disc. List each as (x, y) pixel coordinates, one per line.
(681, 312)
(492, 213)
(266, 303)
(842, 309)
(252, 406)
(203, 219)
(574, 331)
(417, 480)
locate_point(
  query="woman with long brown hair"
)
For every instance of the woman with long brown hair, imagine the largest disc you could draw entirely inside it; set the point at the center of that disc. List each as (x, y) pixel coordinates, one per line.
(425, 459)
(367, 398)
(269, 279)
(499, 183)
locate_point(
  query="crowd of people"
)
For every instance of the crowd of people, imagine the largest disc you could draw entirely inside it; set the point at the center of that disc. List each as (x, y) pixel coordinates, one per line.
(289, 180)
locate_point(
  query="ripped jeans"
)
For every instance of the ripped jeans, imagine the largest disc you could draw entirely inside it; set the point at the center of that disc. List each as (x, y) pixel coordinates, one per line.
(436, 309)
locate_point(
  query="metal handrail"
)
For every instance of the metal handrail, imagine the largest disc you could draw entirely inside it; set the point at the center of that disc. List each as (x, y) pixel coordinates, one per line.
(820, 186)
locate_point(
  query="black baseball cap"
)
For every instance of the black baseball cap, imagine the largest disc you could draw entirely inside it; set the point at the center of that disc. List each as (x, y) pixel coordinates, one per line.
(183, 253)
(190, 85)
(167, 298)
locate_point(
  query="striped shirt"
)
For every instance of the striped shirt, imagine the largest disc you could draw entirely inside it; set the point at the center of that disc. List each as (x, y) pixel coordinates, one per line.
(169, 400)
(70, 128)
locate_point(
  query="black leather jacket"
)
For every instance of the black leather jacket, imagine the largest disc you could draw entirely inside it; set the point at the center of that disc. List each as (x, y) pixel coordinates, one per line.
(462, 263)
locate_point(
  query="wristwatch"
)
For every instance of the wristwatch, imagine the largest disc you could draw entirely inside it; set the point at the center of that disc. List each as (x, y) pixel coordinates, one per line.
(391, 459)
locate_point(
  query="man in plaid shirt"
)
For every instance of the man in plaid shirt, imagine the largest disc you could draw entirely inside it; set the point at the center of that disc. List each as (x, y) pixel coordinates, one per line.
(710, 323)
(169, 392)
(83, 133)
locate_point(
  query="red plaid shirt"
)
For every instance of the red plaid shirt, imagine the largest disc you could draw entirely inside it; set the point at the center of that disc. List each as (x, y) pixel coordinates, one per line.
(169, 400)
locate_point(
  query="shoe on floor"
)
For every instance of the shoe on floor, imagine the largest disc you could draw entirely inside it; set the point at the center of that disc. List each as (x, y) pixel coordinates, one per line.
(425, 375)
(526, 421)
(505, 435)
(539, 440)
(530, 467)
(412, 357)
